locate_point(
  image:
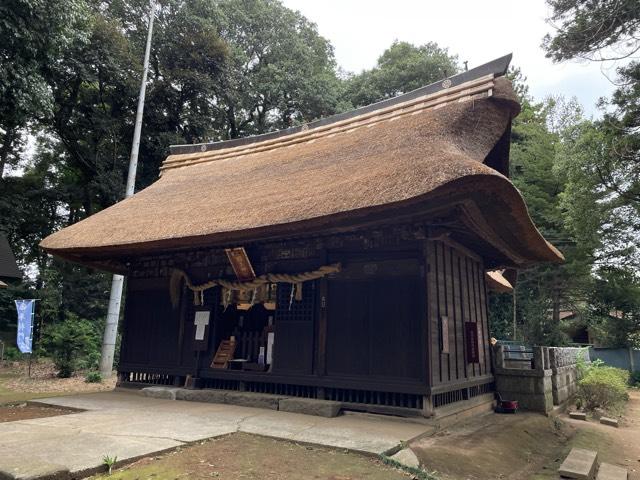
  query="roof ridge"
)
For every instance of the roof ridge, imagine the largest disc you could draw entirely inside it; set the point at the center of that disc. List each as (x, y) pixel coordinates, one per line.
(465, 91)
(497, 67)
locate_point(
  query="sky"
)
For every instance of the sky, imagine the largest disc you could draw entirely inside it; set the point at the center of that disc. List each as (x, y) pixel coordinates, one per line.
(477, 31)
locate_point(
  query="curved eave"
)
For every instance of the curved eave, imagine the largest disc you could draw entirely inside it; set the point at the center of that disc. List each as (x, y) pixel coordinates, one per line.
(488, 205)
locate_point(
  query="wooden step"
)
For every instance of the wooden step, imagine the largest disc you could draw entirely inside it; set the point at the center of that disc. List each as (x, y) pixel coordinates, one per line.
(580, 464)
(225, 353)
(612, 472)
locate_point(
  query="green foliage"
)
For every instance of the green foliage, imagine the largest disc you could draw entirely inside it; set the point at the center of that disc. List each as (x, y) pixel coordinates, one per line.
(109, 462)
(33, 33)
(586, 28)
(614, 308)
(599, 163)
(582, 366)
(93, 377)
(603, 387)
(69, 343)
(401, 68)
(501, 316)
(634, 379)
(542, 291)
(218, 70)
(12, 354)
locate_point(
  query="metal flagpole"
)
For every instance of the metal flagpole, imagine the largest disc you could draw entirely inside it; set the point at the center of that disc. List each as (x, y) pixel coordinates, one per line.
(111, 326)
(33, 322)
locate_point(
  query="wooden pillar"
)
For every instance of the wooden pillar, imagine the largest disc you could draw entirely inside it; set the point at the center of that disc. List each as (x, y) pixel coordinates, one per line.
(427, 406)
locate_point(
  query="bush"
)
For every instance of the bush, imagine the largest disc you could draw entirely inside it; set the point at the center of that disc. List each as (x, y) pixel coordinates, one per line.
(634, 379)
(93, 377)
(69, 343)
(603, 387)
(12, 354)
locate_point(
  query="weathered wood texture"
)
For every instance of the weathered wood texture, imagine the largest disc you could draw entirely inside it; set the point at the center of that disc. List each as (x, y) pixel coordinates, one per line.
(375, 318)
(456, 290)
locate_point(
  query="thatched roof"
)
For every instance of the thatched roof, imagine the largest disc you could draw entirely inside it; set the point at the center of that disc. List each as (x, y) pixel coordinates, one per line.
(420, 153)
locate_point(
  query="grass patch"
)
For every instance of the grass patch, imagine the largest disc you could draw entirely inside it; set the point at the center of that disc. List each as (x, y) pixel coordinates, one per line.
(251, 457)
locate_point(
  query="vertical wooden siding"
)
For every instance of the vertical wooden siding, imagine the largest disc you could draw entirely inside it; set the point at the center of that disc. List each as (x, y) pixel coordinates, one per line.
(456, 290)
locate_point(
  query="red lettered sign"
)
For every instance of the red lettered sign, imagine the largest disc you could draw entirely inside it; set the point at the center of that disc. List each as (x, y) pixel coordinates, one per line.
(471, 334)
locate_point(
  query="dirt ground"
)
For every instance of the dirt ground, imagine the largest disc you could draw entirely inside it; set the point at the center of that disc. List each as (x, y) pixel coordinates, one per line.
(620, 446)
(23, 411)
(16, 388)
(494, 446)
(528, 445)
(243, 456)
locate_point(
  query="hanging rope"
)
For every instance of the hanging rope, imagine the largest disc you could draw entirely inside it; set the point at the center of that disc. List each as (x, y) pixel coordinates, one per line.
(178, 275)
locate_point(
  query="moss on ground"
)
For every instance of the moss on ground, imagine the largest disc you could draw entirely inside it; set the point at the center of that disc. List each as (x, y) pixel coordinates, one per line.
(252, 457)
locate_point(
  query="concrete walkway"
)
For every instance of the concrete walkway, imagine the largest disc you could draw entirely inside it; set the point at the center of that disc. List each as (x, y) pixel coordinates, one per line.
(128, 425)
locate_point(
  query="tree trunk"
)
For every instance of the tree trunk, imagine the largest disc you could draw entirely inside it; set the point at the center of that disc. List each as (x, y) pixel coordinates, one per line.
(7, 143)
(556, 300)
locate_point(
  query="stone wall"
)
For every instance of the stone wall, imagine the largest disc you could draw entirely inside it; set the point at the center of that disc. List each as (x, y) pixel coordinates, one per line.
(552, 380)
(564, 373)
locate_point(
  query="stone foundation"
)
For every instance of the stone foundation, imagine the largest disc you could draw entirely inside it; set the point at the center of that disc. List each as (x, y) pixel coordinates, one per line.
(308, 406)
(553, 380)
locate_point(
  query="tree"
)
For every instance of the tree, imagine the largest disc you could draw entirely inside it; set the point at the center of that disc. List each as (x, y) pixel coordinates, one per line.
(280, 72)
(602, 159)
(33, 33)
(401, 68)
(614, 308)
(588, 29)
(219, 69)
(542, 291)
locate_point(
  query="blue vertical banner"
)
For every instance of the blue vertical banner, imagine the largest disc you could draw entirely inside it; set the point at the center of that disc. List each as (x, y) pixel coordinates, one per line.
(26, 312)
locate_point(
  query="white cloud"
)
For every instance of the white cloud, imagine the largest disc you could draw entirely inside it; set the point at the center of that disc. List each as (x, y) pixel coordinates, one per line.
(476, 31)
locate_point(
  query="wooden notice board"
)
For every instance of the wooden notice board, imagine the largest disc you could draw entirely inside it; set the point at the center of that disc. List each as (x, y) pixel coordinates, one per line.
(444, 334)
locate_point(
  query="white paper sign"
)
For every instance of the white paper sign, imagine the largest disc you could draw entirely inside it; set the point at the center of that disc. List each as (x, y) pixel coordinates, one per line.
(270, 337)
(201, 321)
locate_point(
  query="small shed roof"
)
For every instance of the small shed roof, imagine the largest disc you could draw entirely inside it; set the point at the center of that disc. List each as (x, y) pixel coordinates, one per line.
(497, 283)
(8, 266)
(441, 145)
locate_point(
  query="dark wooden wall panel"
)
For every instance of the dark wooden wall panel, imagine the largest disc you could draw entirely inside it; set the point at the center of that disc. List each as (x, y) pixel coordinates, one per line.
(151, 327)
(293, 347)
(347, 322)
(456, 289)
(433, 313)
(458, 325)
(375, 320)
(485, 321)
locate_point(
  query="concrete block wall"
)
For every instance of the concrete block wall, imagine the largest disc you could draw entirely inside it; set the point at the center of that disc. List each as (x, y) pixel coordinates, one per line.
(531, 388)
(552, 380)
(564, 377)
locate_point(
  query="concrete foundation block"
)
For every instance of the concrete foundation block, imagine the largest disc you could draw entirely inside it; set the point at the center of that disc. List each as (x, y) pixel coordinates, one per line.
(580, 464)
(612, 472)
(208, 396)
(407, 458)
(251, 399)
(166, 393)
(564, 383)
(578, 415)
(530, 401)
(34, 472)
(612, 422)
(310, 406)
